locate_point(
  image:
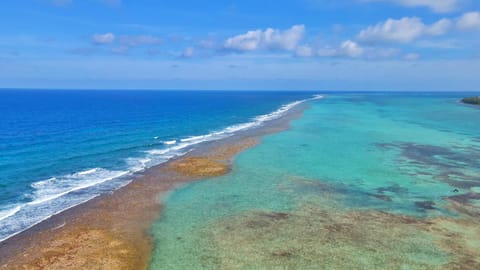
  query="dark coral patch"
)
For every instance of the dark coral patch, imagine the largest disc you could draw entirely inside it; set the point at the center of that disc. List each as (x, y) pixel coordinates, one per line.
(395, 188)
(282, 253)
(432, 155)
(455, 165)
(382, 197)
(463, 184)
(425, 205)
(465, 198)
(275, 215)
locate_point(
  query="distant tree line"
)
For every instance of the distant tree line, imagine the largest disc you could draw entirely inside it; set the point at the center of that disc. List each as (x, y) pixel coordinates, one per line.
(472, 100)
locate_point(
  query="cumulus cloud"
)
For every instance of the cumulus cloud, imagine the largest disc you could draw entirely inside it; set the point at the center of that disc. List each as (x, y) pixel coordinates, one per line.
(351, 49)
(469, 21)
(439, 28)
(123, 44)
(269, 39)
(439, 6)
(347, 48)
(101, 39)
(403, 30)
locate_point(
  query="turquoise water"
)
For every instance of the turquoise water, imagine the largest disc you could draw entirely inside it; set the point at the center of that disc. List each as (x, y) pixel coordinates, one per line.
(397, 159)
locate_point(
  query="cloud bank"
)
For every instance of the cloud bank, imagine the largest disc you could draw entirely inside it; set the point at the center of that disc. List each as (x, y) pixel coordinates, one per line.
(439, 6)
(403, 30)
(101, 39)
(269, 39)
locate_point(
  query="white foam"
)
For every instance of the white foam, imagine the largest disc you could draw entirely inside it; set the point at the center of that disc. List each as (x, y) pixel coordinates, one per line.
(188, 142)
(200, 138)
(157, 151)
(9, 212)
(88, 171)
(39, 184)
(54, 188)
(138, 164)
(40, 219)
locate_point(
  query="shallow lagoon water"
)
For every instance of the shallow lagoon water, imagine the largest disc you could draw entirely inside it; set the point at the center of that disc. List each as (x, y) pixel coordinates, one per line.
(360, 181)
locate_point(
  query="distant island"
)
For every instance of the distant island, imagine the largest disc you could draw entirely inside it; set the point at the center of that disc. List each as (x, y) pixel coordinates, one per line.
(472, 100)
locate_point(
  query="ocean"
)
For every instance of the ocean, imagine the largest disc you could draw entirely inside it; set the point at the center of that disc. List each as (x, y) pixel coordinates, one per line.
(376, 180)
(60, 148)
(360, 181)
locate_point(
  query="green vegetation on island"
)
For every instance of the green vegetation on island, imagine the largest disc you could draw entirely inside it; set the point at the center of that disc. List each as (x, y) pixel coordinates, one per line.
(472, 100)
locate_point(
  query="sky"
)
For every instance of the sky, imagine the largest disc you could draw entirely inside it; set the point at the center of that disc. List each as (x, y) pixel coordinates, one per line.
(368, 45)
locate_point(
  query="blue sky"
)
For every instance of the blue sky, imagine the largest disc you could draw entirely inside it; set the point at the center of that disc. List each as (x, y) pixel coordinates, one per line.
(273, 45)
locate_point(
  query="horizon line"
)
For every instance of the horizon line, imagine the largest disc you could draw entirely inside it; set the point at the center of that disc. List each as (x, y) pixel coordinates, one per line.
(235, 90)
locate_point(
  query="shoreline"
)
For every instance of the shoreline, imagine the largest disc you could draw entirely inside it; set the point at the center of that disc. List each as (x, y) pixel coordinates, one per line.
(109, 233)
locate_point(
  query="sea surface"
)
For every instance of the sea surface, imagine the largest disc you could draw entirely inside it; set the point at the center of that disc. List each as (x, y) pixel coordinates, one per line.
(61, 148)
(360, 181)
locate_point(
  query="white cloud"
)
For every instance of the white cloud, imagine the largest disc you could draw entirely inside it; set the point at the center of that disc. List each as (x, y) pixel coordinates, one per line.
(403, 30)
(327, 52)
(304, 51)
(347, 48)
(439, 6)
(469, 21)
(246, 42)
(411, 56)
(435, 5)
(351, 49)
(207, 44)
(120, 50)
(188, 52)
(270, 39)
(103, 38)
(439, 28)
(381, 53)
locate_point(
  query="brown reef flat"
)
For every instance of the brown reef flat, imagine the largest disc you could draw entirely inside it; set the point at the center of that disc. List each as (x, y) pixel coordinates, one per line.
(213, 164)
(323, 234)
(112, 232)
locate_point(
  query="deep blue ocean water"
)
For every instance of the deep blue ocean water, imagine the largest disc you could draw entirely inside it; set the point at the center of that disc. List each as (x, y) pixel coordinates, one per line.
(62, 148)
